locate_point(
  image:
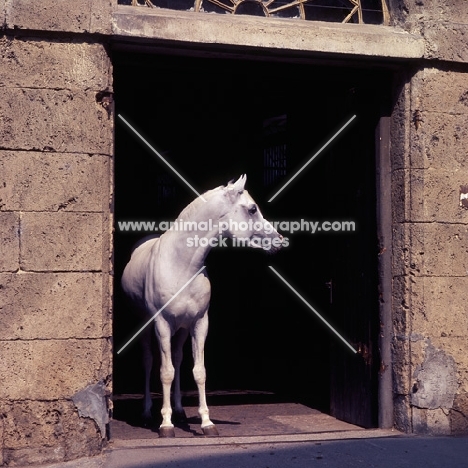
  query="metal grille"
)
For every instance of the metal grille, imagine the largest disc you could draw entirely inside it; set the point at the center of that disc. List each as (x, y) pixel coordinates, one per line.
(344, 11)
(274, 149)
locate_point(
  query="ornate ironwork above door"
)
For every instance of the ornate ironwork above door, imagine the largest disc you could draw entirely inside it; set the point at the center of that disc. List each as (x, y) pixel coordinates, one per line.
(345, 11)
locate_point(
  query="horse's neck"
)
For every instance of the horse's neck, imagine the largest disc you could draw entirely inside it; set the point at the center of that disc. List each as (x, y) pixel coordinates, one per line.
(185, 248)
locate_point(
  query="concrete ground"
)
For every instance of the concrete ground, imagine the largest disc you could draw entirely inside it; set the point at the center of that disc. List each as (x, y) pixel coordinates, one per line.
(380, 449)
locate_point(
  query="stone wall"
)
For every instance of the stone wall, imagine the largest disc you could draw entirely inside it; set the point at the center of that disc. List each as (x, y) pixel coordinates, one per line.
(430, 224)
(56, 147)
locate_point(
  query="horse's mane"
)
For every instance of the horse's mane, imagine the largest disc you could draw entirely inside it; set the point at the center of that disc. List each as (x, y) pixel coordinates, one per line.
(195, 205)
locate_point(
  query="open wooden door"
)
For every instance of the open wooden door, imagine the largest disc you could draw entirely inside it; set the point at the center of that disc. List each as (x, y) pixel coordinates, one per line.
(353, 278)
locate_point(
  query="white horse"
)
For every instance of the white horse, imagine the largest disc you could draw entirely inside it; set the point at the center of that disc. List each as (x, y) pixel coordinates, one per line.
(158, 270)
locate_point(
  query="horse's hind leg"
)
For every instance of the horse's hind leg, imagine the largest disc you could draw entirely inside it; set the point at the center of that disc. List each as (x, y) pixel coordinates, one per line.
(163, 333)
(148, 365)
(199, 332)
(177, 354)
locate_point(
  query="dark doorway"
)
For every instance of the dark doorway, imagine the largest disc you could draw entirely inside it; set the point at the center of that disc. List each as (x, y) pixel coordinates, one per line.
(214, 120)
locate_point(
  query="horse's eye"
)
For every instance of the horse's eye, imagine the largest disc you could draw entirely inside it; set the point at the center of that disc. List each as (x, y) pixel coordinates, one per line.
(253, 209)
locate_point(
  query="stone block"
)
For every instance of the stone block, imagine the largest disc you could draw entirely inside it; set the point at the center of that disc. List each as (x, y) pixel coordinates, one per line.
(39, 63)
(399, 128)
(50, 369)
(38, 432)
(401, 202)
(49, 15)
(435, 380)
(2, 417)
(401, 251)
(445, 139)
(401, 365)
(402, 413)
(431, 422)
(54, 120)
(101, 16)
(446, 40)
(34, 181)
(254, 31)
(62, 241)
(2, 25)
(438, 249)
(438, 307)
(50, 305)
(440, 91)
(457, 348)
(401, 294)
(9, 240)
(459, 415)
(435, 195)
(454, 10)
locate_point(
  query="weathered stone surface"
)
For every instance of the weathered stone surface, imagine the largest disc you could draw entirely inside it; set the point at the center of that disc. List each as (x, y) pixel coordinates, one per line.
(91, 403)
(401, 249)
(34, 181)
(39, 63)
(50, 305)
(434, 249)
(401, 181)
(431, 422)
(2, 25)
(47, 431)
(49, 15)
(439, 143)
(435, 195)
(2, 425)
(459, 414)
(9, 240)
(61, 241)
(402, 413)
(457, 348)
(401, 296)
(446, 136)
(252, 31)
(101, 16)
(401, 365)
(438, 306)
(446, 40)
(50, 369)
(399, 128)
(54, 120)
(81, 16)
(435, 381)
(441, 91)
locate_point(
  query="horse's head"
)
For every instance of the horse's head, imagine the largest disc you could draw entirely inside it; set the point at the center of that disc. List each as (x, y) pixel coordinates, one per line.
(243, 221)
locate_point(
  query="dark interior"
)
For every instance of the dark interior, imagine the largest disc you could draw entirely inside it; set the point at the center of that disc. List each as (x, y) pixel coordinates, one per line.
(214, 119)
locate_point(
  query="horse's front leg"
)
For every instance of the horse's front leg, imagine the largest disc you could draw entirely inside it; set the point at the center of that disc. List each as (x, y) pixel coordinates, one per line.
(163, 332)
(199, 332)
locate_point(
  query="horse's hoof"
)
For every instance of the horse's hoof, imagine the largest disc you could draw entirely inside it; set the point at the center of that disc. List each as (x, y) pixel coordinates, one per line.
(210, 431)
(179, 417)
(166, 432)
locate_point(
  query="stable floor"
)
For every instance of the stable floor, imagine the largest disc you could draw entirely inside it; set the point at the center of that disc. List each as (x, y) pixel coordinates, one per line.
(236, 414)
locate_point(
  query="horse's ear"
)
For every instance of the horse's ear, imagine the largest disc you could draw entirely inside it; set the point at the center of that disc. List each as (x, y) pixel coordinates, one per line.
(239, 184)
